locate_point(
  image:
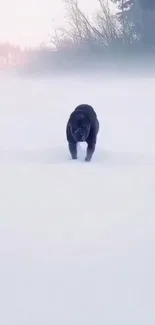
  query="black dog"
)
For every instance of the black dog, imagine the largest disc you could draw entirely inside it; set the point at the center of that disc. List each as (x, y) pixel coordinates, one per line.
(82, 126)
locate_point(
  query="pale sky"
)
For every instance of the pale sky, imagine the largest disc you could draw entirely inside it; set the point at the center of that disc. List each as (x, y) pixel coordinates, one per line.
(28, 22)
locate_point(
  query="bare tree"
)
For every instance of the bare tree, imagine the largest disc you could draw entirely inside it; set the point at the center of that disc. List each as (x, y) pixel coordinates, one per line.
(103, 29)
(107, 22)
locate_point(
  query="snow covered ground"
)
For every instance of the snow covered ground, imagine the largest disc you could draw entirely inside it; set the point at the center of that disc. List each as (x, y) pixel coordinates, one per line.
(77, 240)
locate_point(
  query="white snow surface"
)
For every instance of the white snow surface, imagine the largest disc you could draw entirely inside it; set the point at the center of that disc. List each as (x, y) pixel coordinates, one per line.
(77, 239)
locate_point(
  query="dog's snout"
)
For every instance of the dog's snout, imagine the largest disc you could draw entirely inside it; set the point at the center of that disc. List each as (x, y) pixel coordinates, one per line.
(79, 134)
(78, 131)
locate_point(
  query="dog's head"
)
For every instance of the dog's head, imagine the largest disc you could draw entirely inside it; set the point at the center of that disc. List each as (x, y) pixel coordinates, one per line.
(80, 127)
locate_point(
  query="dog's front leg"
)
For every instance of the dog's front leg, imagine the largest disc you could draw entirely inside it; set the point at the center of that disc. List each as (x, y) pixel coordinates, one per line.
(90, 150)
(73, 150)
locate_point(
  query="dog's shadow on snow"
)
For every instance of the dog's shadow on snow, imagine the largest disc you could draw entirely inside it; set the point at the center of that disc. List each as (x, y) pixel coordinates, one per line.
(61, 155)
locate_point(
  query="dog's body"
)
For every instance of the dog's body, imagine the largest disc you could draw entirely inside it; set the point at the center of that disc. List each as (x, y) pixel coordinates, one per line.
(82, 126)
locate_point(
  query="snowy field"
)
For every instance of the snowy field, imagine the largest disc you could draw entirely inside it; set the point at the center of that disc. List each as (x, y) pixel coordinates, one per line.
(77, 240)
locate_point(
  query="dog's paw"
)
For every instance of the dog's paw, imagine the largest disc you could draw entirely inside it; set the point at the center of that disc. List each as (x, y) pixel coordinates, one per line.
(88, 159)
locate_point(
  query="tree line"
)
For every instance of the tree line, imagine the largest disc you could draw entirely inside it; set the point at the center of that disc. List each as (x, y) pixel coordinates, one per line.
(132, 24)
(127, 30)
